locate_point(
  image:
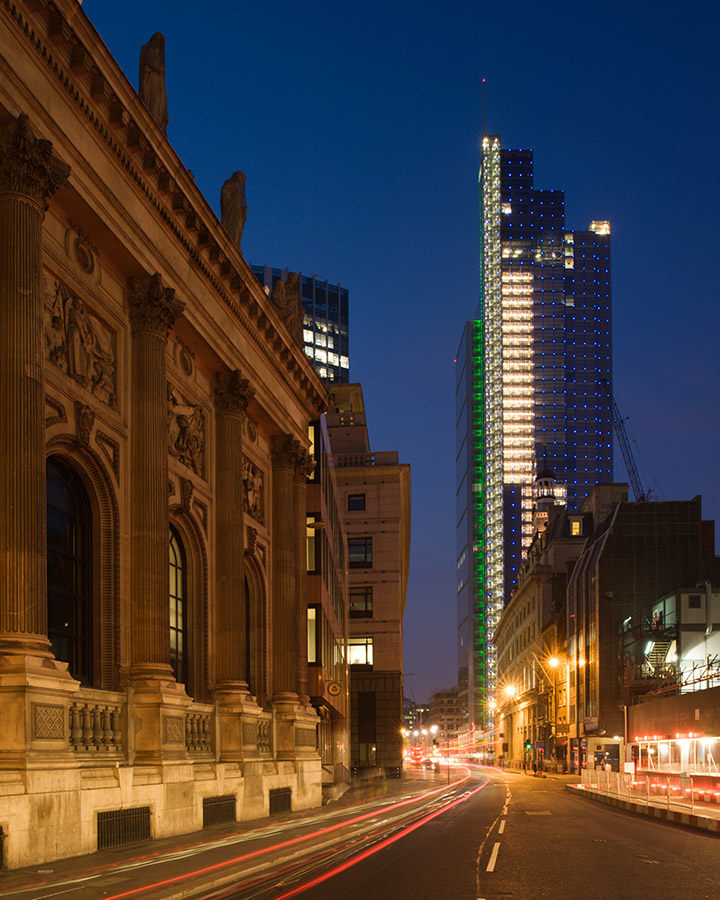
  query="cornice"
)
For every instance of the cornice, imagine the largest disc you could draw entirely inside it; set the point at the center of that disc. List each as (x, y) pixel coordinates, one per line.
(105, 97)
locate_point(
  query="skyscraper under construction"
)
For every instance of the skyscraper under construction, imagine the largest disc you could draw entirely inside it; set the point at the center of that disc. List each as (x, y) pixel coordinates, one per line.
(533, 394)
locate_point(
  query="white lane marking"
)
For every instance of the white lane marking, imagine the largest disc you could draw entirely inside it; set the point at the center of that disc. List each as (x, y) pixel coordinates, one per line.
(493, 858)
(502, 827)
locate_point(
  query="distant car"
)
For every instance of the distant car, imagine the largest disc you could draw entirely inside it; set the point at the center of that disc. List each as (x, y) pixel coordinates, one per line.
(428, 764)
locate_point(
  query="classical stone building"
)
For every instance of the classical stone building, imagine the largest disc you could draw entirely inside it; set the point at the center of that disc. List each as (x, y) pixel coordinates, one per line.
(531, 645)
(374, 490)
(154, 413)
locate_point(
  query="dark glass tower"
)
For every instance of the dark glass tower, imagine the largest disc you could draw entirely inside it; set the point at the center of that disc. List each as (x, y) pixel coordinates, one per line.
(325, 324)
(533, 382)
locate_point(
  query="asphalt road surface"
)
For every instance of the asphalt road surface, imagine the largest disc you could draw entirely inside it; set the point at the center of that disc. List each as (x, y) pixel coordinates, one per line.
(516, 837)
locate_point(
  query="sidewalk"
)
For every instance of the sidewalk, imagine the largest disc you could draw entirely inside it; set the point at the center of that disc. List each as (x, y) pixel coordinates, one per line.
(218, 855)
(705, 819)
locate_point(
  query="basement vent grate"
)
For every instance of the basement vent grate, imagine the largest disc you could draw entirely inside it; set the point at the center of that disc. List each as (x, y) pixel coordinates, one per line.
(119, 827)
(280, 801)
(218, 810)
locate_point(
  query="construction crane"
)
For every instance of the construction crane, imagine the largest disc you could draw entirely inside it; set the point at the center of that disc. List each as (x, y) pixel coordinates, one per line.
(625, 448)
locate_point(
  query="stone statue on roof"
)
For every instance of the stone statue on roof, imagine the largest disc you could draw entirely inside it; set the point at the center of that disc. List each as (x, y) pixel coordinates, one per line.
(152, 79)
(233, 207)
(286, 299)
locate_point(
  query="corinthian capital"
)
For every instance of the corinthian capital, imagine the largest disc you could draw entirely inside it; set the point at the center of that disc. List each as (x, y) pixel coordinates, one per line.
(27, 164)
(304, 465)
(153, 307)
(284, 450)
(232, 393)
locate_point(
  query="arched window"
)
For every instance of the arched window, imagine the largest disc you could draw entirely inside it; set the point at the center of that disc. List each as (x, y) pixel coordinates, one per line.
(248, 644)
(178, 609)
(69, 575)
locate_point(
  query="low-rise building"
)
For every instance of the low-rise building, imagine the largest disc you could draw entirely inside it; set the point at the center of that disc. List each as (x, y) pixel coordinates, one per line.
(374, 490)
(637, 552)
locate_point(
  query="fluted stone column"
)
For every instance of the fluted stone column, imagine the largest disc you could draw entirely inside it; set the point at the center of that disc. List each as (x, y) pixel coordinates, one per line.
(295, 719)
(235, 705)
(153, 311)
(232, 395)
(29, 176)
(303, 468)
(284, 554)
(159, 703)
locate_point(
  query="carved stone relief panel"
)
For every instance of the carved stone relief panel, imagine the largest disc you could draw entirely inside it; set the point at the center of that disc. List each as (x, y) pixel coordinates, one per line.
(78, 343)
(84, 421)
(254, 493)
(82, 251)
(186, 431)
(48, 722)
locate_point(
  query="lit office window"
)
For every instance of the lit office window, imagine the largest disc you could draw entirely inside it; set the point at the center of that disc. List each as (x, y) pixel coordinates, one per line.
(360, 652)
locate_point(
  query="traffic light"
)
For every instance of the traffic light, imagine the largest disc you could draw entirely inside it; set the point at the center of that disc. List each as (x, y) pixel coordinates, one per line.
(528, 745)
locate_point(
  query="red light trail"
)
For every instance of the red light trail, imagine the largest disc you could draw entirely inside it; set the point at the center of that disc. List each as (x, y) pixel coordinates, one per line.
(293, 841)
(381, 846)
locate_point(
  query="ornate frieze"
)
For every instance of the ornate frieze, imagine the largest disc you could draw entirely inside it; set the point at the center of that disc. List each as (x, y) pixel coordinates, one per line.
(153, 307)
(232, 393)
(27, 164)
(254, 491)
(186, 431)
(78, 343)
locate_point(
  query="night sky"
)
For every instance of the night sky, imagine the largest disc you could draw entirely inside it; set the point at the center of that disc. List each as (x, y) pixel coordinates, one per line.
(358, 127)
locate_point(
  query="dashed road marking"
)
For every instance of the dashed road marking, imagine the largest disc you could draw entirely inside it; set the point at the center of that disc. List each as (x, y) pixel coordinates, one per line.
(493, 858)
(502, 827)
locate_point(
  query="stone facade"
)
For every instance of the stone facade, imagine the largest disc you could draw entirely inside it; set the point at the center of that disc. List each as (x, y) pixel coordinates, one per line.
(154, 403)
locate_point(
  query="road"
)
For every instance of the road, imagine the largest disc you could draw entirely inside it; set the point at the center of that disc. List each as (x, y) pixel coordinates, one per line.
(517, 837)
(488, 835)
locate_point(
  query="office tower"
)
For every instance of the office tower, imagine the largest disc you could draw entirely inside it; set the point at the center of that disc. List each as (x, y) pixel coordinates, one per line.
(325, 323)
(533, 385)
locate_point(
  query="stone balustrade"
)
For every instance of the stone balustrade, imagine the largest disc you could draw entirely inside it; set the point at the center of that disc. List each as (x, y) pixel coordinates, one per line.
(96, 724)
(198, 729)
(264, 734)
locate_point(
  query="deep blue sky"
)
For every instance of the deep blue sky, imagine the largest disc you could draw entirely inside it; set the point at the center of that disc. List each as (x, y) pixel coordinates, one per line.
(358, 126)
